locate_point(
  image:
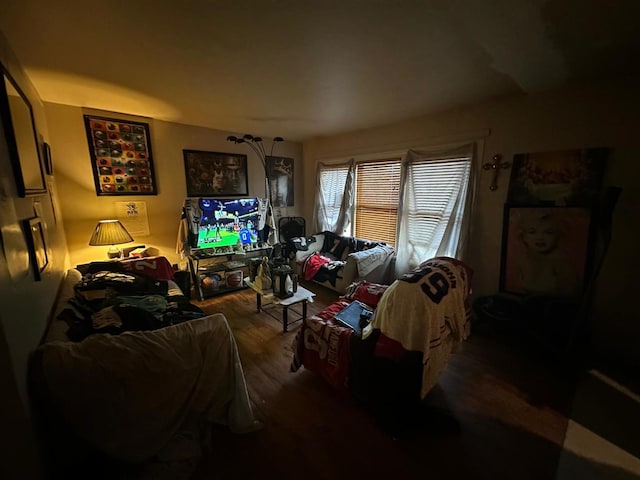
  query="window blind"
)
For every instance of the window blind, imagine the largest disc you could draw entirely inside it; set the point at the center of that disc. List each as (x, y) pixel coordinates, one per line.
(377, 199)
(434, 191)
(332, 183)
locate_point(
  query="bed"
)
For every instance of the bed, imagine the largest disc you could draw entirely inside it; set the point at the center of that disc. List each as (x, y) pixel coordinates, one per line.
(146, 395)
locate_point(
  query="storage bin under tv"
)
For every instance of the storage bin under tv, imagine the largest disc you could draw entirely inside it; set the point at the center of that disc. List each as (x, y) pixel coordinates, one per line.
(215, 271)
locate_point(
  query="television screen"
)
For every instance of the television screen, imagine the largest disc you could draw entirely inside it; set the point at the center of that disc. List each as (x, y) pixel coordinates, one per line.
(225, 222)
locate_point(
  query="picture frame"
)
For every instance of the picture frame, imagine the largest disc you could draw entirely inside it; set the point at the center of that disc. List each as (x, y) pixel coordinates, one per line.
(36, 245)
(280, 172)
(48, 161)
(561, 177)
(215, 173)
(121, 156)
(545, 250)
(22, 138)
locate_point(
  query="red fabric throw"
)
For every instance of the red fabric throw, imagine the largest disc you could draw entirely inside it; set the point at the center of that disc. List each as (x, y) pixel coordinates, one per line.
(312, 264)
(330, 311)
(154, 267)
(368, 293)
(322, 346)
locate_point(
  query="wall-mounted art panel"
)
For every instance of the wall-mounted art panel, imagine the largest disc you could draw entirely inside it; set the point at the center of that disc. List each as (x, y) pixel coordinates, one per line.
(121, 156)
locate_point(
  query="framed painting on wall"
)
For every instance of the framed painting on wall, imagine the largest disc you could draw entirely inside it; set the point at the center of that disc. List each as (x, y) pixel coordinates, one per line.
(48, 160)
(562, 178)
(545, 250)
(37, 246)
(14, 251)
(121, 156)
(22, 140)
(215, 173)
(280, 170)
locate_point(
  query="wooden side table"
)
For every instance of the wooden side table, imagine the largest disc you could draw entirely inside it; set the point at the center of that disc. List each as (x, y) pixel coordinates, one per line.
(302, 296)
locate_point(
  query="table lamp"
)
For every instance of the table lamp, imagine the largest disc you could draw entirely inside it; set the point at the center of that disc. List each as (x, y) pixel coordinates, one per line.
(110, 232)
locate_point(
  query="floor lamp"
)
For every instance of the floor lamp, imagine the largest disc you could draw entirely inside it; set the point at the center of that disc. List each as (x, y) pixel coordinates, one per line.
(255, 143)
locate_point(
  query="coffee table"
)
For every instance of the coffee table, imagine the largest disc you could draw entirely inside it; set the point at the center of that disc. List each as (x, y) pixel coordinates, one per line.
(302, 296)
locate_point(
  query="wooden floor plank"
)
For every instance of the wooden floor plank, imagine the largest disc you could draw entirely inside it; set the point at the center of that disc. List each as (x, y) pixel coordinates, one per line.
(510, 403)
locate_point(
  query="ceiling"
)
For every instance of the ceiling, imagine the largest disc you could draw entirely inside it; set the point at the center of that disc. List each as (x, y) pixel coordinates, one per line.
(306, 68)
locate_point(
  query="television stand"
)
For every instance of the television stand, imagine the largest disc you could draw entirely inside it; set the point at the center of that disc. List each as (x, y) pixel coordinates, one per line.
(215, 273)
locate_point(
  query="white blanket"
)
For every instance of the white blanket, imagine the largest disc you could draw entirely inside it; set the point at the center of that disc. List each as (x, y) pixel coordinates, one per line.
(129, 394)
(425, 311)
(370, 259)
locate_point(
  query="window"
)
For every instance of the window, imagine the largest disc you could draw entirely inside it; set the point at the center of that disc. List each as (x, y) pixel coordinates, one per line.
(377, 199)
(435, 192)
(419, 204)
(331, 189)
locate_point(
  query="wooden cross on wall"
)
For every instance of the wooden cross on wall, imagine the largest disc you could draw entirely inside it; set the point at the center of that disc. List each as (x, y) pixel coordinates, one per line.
(496, 166)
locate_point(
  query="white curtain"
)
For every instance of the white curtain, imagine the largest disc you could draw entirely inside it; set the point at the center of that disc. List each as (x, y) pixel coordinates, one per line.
(335, 197)
(438, 189)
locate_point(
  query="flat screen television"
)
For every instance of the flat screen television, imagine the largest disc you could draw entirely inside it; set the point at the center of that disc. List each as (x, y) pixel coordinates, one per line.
(225, 222)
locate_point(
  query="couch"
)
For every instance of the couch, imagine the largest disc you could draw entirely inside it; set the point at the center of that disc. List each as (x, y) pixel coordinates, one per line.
(336, 261)
(419, 321)
(140, 393)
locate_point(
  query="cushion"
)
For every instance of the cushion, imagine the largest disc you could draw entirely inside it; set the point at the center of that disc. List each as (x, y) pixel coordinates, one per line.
(156, 267)
(336, 245)
(370, 259)
(366, 292)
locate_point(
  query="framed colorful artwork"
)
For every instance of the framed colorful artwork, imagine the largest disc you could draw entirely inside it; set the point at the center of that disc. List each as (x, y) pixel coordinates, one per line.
(215, 173)
(561, 178)
(121, 157)
(280, 171)
(545, 250)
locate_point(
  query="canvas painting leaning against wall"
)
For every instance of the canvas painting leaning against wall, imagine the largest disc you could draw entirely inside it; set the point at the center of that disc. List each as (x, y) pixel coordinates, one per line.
(545, 250)
(562, 178)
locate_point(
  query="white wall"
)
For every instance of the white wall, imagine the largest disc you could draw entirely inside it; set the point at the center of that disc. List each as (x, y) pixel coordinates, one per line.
(606, 114)
(25, 303)
(82, 208)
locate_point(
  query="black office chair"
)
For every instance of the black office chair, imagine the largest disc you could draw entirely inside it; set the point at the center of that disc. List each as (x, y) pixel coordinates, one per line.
(290, 227)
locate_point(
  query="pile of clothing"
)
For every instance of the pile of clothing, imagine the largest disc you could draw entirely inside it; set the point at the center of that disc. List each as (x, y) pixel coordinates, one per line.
(111, 299)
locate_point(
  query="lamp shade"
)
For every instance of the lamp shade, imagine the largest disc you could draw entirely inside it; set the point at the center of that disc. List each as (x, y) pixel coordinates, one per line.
(109, 232)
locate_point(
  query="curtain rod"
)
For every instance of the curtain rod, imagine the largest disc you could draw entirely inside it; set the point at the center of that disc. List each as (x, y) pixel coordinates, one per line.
(402, 147)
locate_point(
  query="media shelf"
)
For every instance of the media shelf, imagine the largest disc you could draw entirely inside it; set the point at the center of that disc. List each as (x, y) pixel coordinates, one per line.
(215, 273)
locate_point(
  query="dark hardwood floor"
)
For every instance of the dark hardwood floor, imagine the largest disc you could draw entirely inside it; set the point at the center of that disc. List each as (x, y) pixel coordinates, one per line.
(509, 398)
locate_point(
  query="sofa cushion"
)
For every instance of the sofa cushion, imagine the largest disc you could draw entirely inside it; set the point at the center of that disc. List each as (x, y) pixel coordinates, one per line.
(368, 293)
(336, 246)
(370, 259)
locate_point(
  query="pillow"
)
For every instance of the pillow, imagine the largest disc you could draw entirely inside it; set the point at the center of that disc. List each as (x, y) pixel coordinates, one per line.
(366, 292)
(158, 267)
(154, 267)
(335, 245)
(363, 244)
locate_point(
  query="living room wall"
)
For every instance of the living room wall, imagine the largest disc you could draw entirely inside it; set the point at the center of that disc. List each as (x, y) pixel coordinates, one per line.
(600, 114)
(26, 303)
(82, 208)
